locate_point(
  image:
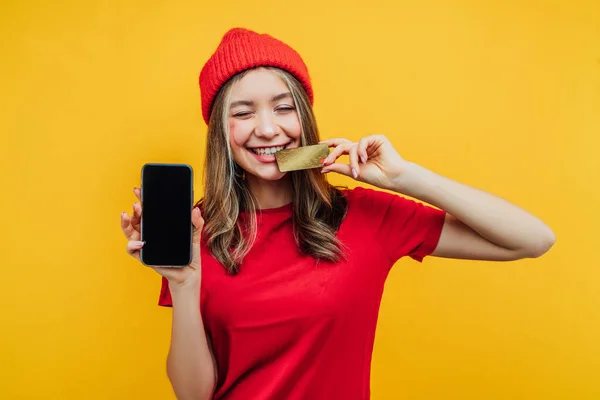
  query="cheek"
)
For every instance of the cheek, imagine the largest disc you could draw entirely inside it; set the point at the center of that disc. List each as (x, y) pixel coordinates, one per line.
(238, 136)
(292, 126)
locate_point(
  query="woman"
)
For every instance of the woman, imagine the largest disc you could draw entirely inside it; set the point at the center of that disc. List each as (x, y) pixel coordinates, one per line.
(281, 299)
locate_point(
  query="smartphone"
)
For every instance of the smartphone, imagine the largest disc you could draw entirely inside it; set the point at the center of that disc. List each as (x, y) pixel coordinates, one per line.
(166, 223)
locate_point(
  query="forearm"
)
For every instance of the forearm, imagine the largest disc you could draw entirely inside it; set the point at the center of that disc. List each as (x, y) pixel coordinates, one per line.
(190, 364)
(495, 219)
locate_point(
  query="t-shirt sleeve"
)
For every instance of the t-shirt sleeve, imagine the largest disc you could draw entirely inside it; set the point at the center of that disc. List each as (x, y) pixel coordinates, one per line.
(164, 297)
(402, 226)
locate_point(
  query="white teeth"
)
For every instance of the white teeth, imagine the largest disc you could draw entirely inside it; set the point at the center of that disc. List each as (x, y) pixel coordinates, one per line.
(267, 151)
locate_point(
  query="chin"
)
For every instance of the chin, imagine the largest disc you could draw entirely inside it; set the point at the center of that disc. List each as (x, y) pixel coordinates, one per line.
(269, 175)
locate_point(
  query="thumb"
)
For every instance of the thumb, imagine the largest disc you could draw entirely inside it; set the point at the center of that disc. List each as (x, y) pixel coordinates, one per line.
(198, 223)
(340, 168)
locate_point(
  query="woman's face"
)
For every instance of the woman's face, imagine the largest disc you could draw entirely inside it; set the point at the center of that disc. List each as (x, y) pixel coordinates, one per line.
(262, 121)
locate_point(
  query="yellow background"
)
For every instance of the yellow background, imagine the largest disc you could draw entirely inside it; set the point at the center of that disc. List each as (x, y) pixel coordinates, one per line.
(502, 95)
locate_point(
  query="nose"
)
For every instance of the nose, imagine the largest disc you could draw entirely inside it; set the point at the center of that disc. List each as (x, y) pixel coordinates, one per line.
(265, 127)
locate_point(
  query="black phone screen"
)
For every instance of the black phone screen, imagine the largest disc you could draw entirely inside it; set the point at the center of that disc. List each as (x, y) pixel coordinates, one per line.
(166, 225)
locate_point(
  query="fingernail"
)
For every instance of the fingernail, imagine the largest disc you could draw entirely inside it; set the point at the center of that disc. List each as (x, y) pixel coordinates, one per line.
(123, 214)
(363, 159)
(322, 161)
(138, 243)
(354, 173)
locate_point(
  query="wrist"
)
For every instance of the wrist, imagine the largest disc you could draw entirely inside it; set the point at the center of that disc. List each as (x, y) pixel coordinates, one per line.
(184, 289)
(409, 181)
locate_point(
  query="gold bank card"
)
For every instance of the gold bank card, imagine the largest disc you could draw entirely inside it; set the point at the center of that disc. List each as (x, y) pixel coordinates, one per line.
(305, 157)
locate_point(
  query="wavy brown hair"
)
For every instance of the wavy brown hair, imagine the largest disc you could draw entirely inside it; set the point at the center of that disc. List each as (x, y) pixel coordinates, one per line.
(318, 207)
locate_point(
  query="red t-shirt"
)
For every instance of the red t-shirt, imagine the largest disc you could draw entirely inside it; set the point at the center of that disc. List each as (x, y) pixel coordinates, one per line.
(289, 328)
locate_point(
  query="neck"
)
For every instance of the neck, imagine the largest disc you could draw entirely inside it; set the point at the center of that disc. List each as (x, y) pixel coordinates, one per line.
(271, 194)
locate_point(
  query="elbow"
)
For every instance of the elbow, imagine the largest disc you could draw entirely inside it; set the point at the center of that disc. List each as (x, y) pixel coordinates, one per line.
(192, 393)
(206, 395)
(185, 388)
(543, 244)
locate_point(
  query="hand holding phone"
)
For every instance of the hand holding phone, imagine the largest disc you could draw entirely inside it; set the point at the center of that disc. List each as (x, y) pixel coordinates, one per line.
(138, 227)
(166, 225)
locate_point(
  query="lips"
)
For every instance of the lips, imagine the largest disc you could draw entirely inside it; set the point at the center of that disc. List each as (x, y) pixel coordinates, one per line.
(267, 150)
(266, 154)
(264, 158)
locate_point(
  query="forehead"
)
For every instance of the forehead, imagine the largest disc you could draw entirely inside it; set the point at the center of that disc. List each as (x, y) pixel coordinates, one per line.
(259, 83)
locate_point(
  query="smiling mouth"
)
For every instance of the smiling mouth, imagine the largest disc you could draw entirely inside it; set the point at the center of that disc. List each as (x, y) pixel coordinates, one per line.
(267, 151)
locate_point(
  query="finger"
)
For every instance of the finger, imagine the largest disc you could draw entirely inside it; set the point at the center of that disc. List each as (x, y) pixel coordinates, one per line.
(137, 216)
(363, 144)
(128, 230)
(375, 141)
(198, 222)
(335, 142)
(353, 153)
(340, 168)
(133, 248)
(138, 193)
(337, 152)
(124, 222)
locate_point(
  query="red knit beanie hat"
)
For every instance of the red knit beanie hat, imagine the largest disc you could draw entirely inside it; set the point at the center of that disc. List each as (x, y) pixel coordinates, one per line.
(242, 49)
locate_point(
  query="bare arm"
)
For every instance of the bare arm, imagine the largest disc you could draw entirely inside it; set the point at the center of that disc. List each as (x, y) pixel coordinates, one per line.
(191, 366)
(479, 225)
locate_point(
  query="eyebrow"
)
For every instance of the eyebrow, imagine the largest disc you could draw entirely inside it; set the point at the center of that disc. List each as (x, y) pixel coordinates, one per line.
(251, 103)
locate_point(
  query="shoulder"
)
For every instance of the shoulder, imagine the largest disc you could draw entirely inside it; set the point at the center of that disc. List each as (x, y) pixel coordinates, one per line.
(358, 192)
(379, 204)
(370, 205)
(367, 197)
(400, 225)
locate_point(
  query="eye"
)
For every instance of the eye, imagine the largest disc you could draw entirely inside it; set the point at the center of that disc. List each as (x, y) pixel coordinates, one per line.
(242, 114)
(285, 109)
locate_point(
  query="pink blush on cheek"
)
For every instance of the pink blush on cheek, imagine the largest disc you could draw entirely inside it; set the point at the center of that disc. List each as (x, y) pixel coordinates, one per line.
(236, 135)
